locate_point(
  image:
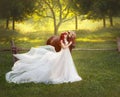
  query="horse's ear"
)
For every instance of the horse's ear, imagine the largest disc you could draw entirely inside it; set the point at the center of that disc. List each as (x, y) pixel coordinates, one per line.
(68, 32)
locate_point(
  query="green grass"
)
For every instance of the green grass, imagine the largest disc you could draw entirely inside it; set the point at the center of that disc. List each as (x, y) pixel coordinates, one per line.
(102, 38)
(100, 70)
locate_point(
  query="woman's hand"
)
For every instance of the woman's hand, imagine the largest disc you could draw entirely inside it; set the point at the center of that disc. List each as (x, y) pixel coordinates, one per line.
(69, 43)
(65, 46)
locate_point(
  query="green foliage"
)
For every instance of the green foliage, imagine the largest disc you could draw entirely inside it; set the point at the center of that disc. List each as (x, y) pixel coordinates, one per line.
(97, 8)
(16, 8)
(4, 8)
(57, 10)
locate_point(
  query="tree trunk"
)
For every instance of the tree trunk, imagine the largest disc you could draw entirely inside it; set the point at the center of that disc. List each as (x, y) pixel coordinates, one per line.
(55, 26)
(76, 23)
(13, 24)
(7, 23)
(55, 29)
(104, 22)
(111, 21)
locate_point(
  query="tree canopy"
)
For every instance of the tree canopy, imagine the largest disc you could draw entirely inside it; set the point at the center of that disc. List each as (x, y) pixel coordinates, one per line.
(97, 9)
(57, 10)
(16, 10)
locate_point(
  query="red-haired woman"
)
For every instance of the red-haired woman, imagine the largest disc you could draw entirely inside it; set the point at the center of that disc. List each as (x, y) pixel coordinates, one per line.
(63, 40)
(45, 65)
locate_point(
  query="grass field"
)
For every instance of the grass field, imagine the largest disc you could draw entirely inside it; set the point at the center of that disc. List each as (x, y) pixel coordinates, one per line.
(99, 69)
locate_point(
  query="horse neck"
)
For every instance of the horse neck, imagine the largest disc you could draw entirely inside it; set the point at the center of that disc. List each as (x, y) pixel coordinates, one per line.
(71, 39)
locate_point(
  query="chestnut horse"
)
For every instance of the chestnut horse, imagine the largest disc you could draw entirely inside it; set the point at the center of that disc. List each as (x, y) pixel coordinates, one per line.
(55, 41)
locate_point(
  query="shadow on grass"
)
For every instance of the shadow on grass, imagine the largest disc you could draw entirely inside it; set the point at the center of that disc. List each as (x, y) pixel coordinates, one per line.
(25, 40)
(103, 33)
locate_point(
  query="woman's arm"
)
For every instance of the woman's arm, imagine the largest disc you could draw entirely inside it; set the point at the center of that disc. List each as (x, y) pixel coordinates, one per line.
(69, 43)
(62, 44)
(65, 46)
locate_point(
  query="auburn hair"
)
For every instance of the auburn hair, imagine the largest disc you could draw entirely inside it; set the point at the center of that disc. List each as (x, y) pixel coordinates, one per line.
(62, 36)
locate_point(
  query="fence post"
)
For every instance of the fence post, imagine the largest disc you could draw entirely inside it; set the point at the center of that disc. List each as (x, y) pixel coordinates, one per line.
(14, 50)
(118, 43)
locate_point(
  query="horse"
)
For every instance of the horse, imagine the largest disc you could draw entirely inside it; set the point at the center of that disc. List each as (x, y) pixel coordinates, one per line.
(55, 41)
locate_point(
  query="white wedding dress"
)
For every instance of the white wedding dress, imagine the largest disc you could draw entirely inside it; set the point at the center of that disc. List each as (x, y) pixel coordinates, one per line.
(44, 65)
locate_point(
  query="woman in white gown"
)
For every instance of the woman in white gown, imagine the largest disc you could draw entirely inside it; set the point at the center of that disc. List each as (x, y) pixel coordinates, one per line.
(44, 65)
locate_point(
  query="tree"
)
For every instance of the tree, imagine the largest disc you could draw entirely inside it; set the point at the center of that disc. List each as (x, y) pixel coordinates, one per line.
(98, 9)
(5, 11)
(16, 10)
(72, 8)
(106, 8)
(113, 9)
(57, 10)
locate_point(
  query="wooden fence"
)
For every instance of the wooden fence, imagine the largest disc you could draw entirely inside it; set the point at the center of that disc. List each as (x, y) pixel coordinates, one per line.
(15, 50)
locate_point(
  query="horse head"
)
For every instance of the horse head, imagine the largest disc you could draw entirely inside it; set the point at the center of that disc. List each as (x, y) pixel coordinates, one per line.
(72, 37)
